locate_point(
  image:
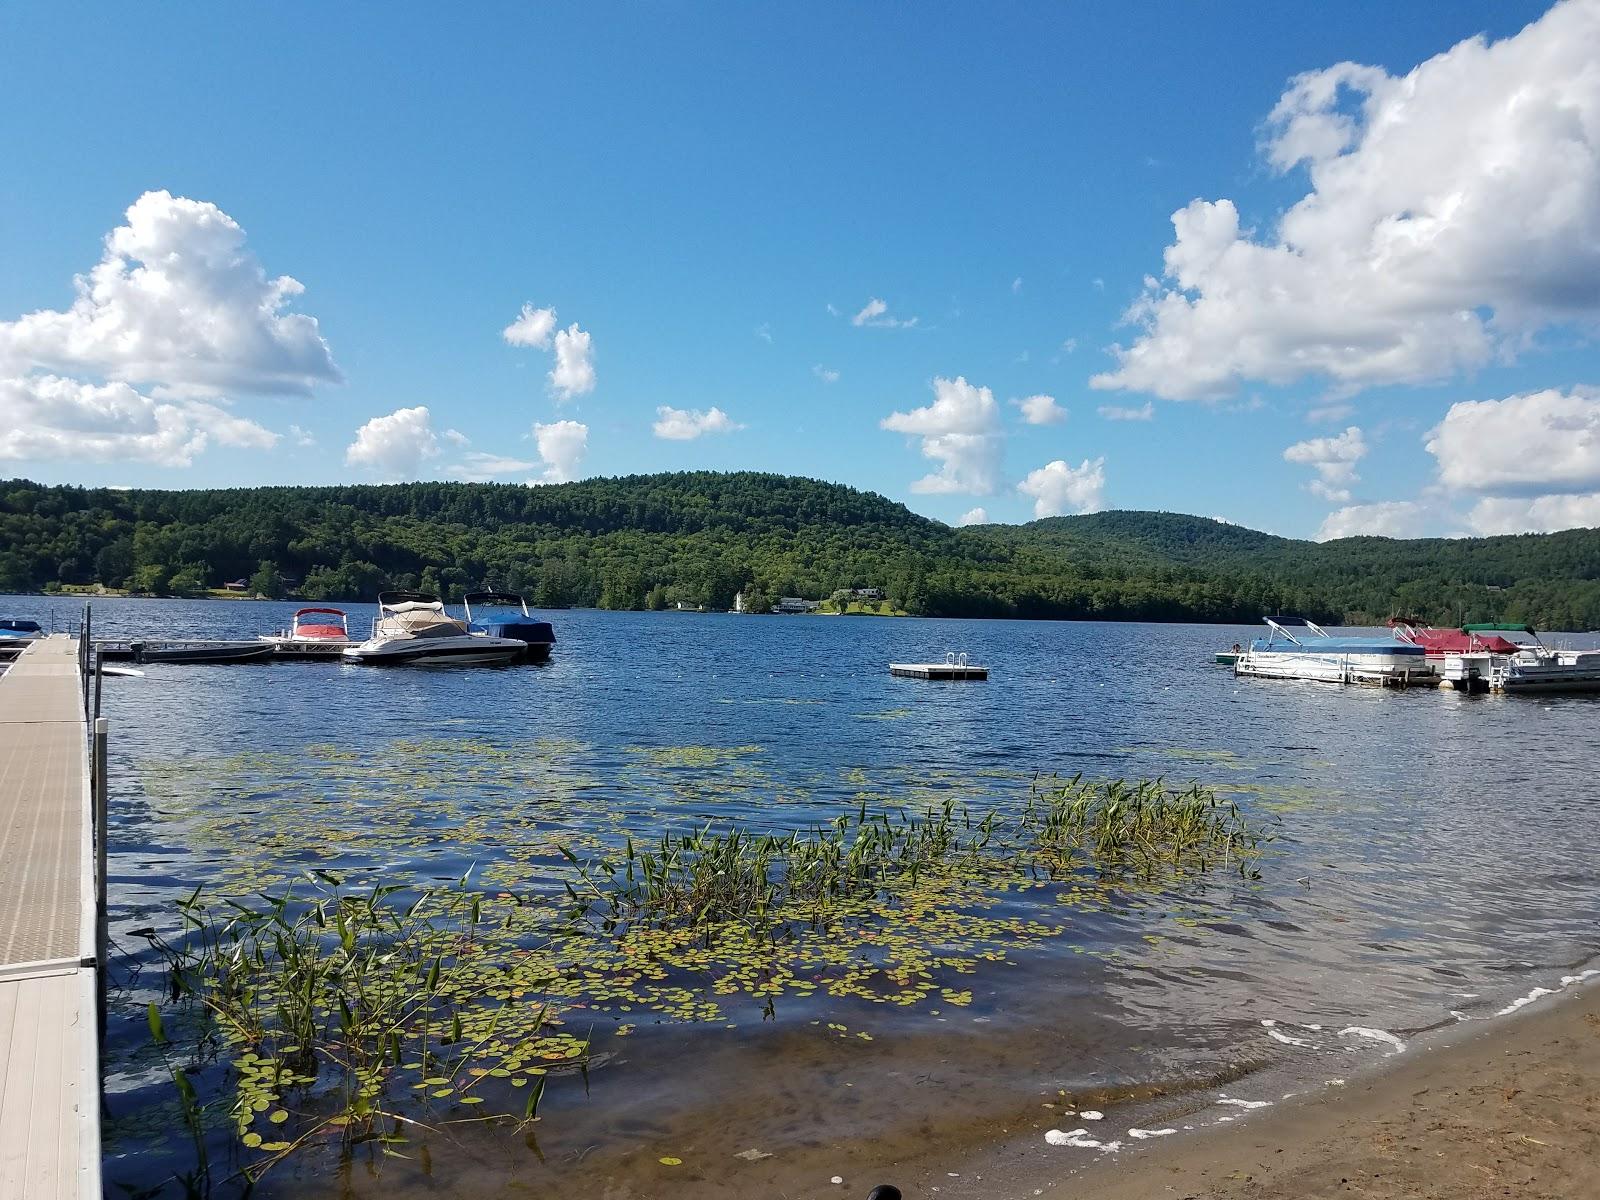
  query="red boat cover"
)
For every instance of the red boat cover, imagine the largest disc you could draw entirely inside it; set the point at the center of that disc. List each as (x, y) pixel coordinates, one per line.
(1454, 641)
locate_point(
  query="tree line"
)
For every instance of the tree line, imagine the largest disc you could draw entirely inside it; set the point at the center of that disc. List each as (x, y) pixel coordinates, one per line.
(651, 541)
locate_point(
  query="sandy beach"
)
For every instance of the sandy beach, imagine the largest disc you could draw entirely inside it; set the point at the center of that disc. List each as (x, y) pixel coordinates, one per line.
(1508, 1108)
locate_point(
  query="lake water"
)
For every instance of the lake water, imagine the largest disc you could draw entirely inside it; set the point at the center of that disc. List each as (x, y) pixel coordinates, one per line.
(1434, 860)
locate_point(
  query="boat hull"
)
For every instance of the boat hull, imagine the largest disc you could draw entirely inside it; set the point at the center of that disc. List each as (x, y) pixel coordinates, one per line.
(465, 651)
(1561, 672)
(1378, 669)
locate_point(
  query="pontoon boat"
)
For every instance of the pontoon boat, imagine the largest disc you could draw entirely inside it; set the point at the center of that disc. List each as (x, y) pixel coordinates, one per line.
(1522, 663)
(314, 633)
(1311, 652)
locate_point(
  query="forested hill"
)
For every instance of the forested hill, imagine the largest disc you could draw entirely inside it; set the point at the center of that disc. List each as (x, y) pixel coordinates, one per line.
(652, 540)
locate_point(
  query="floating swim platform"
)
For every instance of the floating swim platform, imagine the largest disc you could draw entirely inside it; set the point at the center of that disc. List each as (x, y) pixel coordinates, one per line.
(954, 666)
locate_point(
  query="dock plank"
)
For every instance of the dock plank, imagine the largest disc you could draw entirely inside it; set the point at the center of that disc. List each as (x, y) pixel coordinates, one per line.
(49, 1051)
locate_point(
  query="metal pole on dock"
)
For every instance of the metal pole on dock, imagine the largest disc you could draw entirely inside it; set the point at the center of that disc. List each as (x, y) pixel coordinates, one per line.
(102, 937)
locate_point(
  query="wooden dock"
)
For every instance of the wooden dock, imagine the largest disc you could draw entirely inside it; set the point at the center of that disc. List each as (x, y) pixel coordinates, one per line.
(49, 999)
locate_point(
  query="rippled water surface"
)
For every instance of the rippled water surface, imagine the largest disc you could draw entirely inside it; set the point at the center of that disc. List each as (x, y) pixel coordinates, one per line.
(1434, 855)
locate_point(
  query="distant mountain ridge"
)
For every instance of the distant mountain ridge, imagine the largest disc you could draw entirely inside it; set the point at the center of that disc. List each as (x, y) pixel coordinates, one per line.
(644, 541)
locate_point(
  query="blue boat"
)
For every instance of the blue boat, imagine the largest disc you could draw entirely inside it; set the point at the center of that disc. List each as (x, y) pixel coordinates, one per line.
(19, 629)
(538, 636)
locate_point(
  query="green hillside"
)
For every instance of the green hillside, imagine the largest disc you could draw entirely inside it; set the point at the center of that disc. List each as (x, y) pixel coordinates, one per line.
(698, 537)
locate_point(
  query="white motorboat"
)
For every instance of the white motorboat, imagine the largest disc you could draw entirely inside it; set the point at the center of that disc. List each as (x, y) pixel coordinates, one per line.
(314, 633)
(412, 627)
(1315, 654)
(1511, 658)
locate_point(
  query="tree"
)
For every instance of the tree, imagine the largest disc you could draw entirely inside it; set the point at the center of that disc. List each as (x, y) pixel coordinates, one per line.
(114, 563)
(266, 581)
(151, 579)
(188, 580)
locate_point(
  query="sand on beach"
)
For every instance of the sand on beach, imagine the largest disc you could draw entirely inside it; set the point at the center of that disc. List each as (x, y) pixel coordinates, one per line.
(1510, 1107)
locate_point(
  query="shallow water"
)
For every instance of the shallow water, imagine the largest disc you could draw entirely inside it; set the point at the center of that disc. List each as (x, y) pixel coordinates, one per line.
(1435, 855)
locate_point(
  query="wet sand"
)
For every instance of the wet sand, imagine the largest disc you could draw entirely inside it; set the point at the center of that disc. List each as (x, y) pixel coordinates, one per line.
(1507, 1108)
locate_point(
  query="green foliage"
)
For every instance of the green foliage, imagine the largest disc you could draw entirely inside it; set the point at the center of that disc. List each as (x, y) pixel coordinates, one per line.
(266, 581)
(647, 541)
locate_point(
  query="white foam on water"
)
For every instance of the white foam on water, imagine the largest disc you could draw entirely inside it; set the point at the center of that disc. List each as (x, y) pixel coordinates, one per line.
(1376, 1035)
(1139, 1135)
(1245, 1103)
(1286, 1039)
(1539, 993)
(1080, 1139)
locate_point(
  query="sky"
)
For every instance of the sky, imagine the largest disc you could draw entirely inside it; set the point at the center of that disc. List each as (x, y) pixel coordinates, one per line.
(1318, 270)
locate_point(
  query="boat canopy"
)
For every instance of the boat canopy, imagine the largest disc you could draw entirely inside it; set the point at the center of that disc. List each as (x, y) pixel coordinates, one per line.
(20, 625)
(494, 598)
(1497, 627)
(1339, 645)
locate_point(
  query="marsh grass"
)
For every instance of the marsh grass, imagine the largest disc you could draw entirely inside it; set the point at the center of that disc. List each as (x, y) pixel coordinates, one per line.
(768, 882)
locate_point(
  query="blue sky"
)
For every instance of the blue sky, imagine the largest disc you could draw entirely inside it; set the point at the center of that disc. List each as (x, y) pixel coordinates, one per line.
(711, 193)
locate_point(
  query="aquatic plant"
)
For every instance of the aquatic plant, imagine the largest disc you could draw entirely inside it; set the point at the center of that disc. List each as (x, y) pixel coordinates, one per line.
(324, 1003)
(1141, 826)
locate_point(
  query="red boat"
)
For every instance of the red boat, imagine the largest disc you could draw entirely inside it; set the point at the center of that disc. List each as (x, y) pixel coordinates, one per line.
(1436, 643)
(316, 633)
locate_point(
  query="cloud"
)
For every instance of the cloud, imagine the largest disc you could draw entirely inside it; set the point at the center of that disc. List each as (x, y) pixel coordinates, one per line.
(1452, 213)
(764, 332)
(532, 328)
(826, 374)
(177, 301)
(974, 516)
(573, 374)
(456, 438)
(1069, 346)
(562, 447)
(686, 424)
(1057, 488)
(960, 431)
(875, 313)
(1542, 442)
(396, 444)
(1388, 518)
(1334, 459)
(1041, 410)
(479, 467)
(50, 417)
(1016, 286)
(1116, 412)
(1536, 514)
(303, 438)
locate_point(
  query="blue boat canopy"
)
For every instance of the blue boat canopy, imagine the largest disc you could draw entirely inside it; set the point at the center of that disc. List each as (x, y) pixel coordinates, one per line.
(1339, 645)
(19, 625)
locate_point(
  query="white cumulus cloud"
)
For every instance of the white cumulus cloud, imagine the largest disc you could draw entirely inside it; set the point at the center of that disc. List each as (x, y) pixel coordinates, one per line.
(1389, 518)
(1334, 459)
(395, 445)
(974, 516)
(875, 313)
(1545, 441)
(826, 374)
(532, 328)
(50, 417)
(960, 431)
(686, 424)
(562, 447)
(1452, 212)
(1117, 412)
(1057, 488)
(1534, 514)
(179, 302)
(1041, 410)
(573, 373)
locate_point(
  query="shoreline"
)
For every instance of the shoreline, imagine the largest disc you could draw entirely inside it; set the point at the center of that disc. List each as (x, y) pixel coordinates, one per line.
(1504, 1107)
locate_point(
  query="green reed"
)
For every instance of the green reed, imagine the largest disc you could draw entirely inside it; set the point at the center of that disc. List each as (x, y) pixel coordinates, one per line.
(1142, 827)
(713, 876)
